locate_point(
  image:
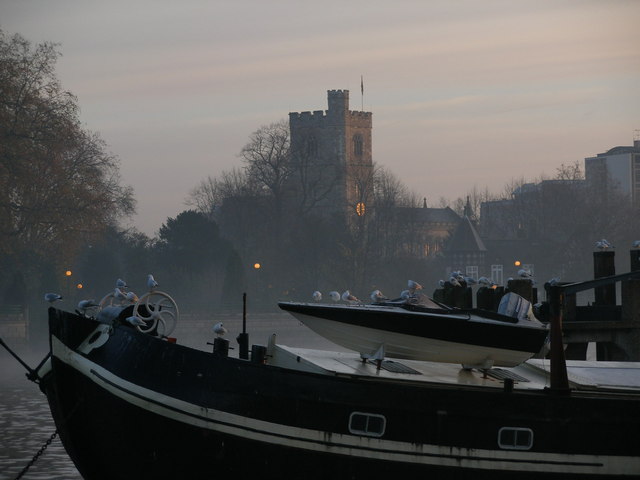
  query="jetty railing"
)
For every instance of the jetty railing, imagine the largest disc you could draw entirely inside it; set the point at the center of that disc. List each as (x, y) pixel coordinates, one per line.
(557, 293)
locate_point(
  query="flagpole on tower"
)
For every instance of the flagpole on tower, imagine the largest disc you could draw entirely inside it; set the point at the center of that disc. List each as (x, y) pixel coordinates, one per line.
(362, 92)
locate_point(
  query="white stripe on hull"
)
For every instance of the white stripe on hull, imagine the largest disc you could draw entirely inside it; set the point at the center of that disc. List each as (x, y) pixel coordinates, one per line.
(398, 345)
(341, 444)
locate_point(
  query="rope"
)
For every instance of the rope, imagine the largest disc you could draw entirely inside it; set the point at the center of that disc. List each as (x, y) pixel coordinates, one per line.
(37, 455)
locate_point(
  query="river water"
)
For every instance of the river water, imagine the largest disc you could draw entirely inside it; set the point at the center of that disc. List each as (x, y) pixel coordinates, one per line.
(25, 419)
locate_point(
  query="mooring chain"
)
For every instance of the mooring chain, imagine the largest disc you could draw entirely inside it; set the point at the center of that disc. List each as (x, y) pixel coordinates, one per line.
(37, 455)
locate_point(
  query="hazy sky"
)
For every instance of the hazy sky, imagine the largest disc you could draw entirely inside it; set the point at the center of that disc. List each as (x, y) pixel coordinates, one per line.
(463, 93)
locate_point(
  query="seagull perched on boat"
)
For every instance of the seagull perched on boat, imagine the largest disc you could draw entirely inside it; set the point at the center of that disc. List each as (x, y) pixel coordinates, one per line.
(554, 281)
(603, 244)
(132, 297)
(405, 295)
(135, 321)
(441, 283)
(377, 296)
(485, 281)
(470, 280)
(635, 244)
(151, 283)
(219, 329)
(118, 294)
(522, 273)
(84, 305)
(454, 281)
(413, 286)
(347, 297)
(335, 296)
(317, 296)
(52, 297)
(121, 284)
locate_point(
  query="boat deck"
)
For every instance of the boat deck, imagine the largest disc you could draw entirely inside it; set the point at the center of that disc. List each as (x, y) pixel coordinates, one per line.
(530, 375)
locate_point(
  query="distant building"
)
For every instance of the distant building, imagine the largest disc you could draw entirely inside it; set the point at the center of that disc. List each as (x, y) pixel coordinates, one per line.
(430, 229)
(466, 251)
(332, 157)
(618, 169)
(332, 172)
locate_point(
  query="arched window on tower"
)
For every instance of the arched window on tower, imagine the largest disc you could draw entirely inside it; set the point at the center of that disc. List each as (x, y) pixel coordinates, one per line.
(358, 145)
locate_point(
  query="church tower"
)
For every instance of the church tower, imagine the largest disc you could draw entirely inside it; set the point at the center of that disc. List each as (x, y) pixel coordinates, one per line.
(332, 157)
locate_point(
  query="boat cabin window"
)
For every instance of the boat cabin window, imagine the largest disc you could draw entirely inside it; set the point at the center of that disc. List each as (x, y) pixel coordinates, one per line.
(368, 424)
(513, 438)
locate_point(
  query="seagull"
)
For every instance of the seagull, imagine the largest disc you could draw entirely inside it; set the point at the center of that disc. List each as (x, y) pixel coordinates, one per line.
(347, 297)
(522, 273)
(441, 283)
(84, 305)
(554, 281)
(377, 296)
(335, 296)
(603, 244)
(135, 321)
(470, 280)
(52, 297)
(413, 286)
(121, 284)
(317, 296)
(405, 294)
(118, 294)
(132, 297)
(219, 329)
(454, 281)
(635, 244)
(151, 283)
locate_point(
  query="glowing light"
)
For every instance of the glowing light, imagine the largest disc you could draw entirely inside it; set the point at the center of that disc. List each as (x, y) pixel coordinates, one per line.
(517, 263)
(257, 266)
(360, 209)
(79, 286)
(68, 273)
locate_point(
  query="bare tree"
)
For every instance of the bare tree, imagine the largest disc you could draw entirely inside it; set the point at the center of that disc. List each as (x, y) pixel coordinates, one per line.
(58, 184)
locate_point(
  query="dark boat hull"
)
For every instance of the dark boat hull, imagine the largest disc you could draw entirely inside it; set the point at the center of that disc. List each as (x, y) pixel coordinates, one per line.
(131, 406)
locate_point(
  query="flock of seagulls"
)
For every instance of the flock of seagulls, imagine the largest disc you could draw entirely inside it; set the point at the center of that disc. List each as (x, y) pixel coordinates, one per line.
(376, 296)
(120, 293)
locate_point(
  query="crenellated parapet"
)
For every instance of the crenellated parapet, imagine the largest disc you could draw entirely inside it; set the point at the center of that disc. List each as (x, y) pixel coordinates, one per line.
(314, 118)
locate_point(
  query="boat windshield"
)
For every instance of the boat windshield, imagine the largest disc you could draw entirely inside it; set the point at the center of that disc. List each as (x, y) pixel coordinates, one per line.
(421, 300)
(418, 300)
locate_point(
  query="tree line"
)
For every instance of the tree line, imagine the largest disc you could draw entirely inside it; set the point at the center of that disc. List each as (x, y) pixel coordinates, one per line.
(253, 228)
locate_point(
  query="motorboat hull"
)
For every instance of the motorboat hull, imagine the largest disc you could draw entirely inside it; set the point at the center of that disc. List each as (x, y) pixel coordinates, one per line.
(461, 337)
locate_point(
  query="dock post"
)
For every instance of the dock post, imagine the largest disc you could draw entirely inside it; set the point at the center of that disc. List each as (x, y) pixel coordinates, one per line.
(243, 338)
(522, 287)
(559, 377)
(604, 266)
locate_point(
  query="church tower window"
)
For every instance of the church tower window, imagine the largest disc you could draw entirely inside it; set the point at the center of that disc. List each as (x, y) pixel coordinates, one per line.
(358, 145)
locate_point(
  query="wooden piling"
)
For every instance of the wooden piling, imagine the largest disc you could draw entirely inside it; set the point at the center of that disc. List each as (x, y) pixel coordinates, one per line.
(559, 379)
(604, 266)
